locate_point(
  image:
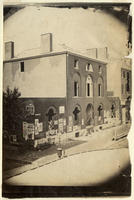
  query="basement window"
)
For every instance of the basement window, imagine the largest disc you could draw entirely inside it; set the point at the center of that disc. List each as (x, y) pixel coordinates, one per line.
(22, 66)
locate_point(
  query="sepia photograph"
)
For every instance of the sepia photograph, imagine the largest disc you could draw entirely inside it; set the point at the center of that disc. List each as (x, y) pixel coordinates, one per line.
(67, 89)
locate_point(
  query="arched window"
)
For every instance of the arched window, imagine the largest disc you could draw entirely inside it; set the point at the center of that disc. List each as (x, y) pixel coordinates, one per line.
(76, 89)
(76, 84)
(100, 69)
(100, 87)
(89, 86)
(89, 67)
(76, 64)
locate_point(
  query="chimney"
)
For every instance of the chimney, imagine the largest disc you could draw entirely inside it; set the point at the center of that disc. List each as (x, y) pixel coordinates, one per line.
(9, 50)
(46, 43)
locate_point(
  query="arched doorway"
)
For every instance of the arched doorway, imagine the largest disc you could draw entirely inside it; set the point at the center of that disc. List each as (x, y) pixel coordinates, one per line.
(51, 115)
(113, 110)
(89, 115)
(77, 115)
(100, 114)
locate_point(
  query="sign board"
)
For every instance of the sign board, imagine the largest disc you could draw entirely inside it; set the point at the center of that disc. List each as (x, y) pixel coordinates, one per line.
(70, 120)
(30, 128)
(82, 122)
(25, 124)
(40, 127)
(60, 127)
(117, 114)
(64, 122)
(36, 122)
(99, 118)
(61, 124)
(61, 109)
(75, 128)
(55, 122)
(69, 128)
(36, 130)
(52, 132)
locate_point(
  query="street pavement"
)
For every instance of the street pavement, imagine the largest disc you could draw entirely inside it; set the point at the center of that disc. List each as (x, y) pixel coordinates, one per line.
(95, 142)
(83, 169)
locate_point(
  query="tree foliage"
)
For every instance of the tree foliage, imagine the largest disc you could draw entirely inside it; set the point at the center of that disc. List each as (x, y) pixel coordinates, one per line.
(13, 112)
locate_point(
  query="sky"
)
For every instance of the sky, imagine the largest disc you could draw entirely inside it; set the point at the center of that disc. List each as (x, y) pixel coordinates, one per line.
(76, 29)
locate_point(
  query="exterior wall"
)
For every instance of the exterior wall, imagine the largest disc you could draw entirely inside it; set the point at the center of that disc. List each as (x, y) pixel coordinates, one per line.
(42, 106)
(41, 77)
(82, 100)
(124, 92)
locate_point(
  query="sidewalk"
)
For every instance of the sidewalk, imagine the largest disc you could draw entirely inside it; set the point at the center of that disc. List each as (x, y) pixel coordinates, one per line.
(97, 141)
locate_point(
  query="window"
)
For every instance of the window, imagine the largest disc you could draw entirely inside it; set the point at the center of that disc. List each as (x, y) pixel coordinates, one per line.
(30, 109)
(99, 90)
(89, 86)
(76, 85)
(100, 69)
(76, 89)
(89, 67)
(128, 81)
(100, 87)
(88, 89)
(22, 66)
(76, 64)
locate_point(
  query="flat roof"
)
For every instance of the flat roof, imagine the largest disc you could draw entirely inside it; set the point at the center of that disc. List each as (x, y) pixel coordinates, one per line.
(54, 54)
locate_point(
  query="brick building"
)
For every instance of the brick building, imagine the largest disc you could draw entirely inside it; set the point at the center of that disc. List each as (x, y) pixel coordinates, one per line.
(63, 91)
